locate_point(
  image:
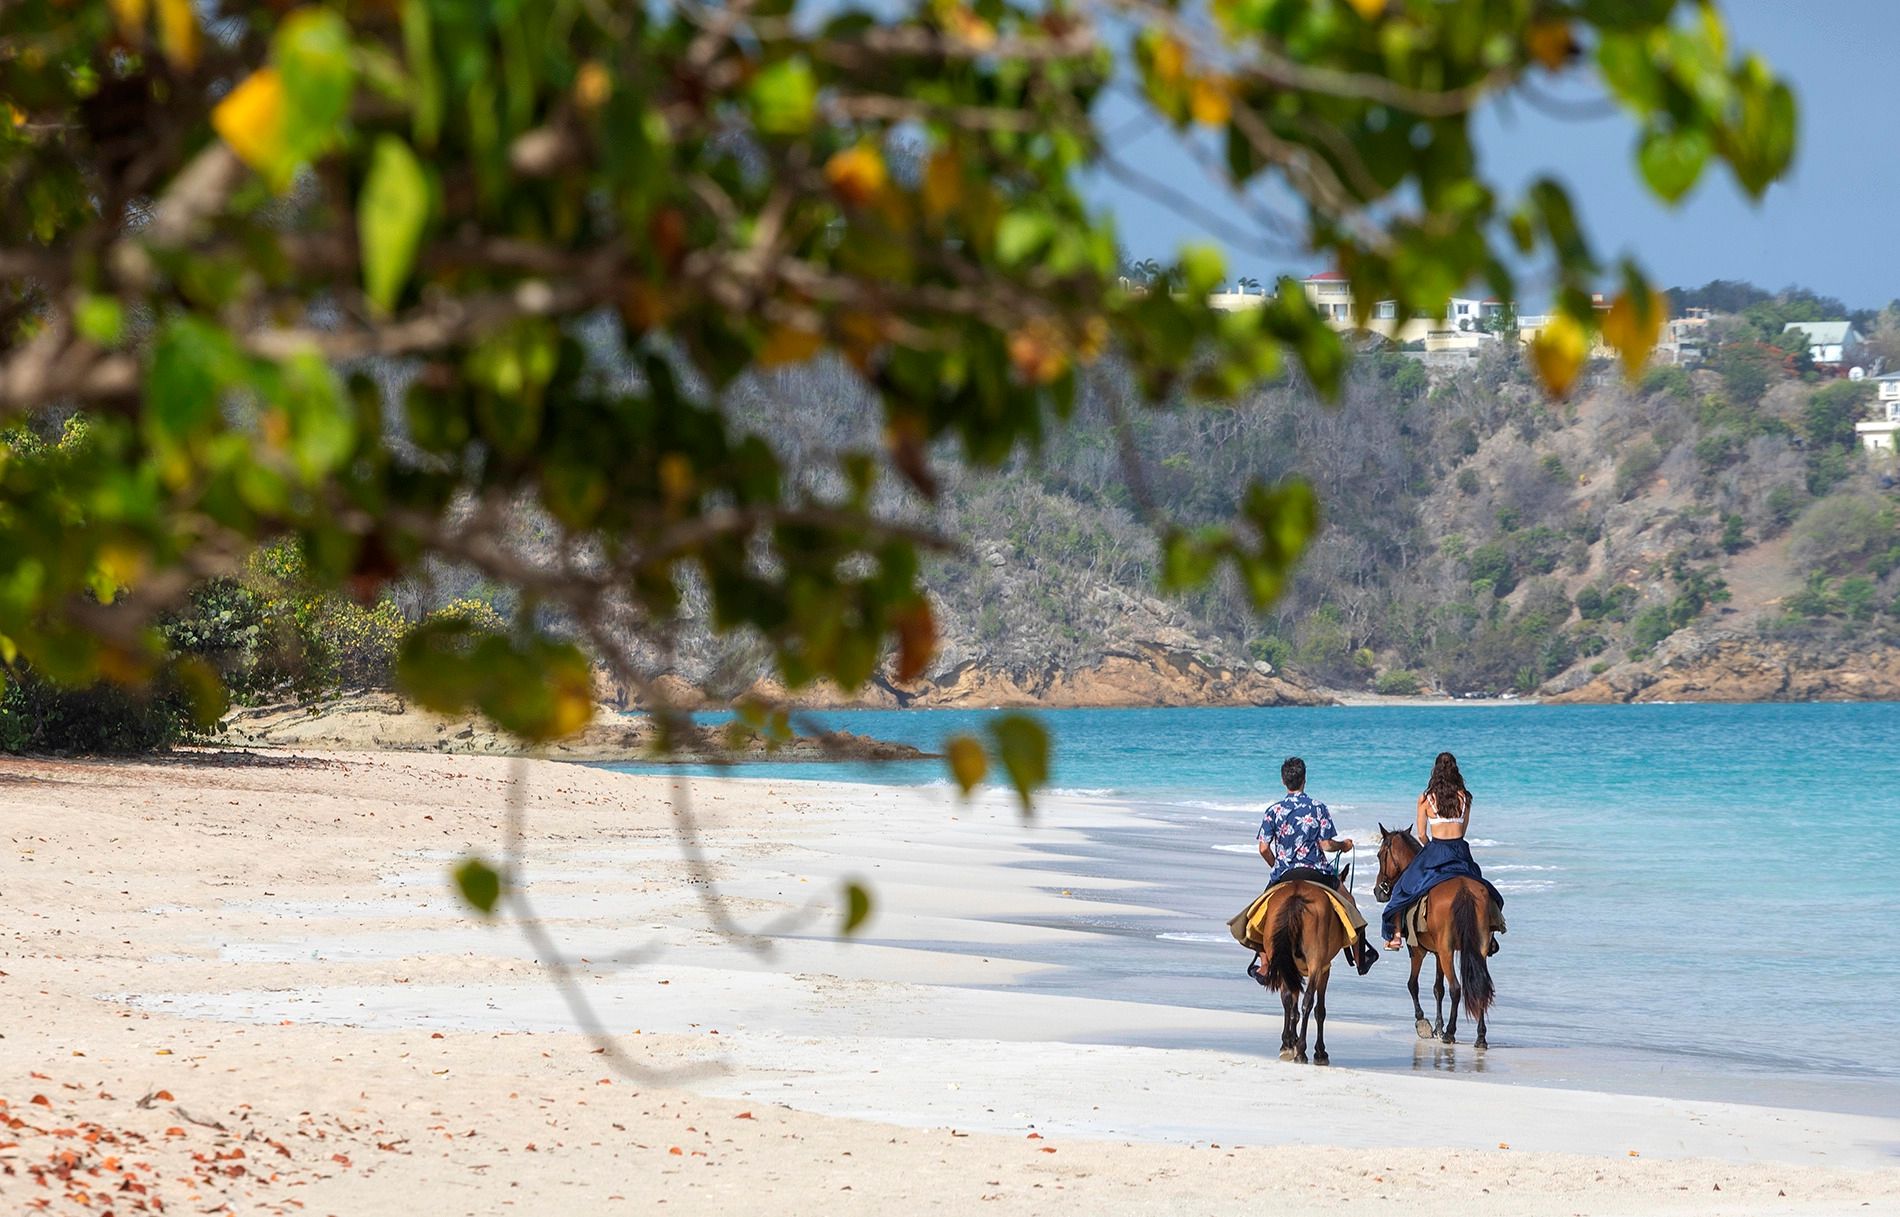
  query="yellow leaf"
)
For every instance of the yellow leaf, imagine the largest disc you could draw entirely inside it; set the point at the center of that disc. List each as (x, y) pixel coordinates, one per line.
(1550, 43)
(1211, 101)
(943, 184)
(972, 29)
(251, 120)
(788, 345)
(857, 173)
(573, 708)
(1369, 10)
(916, 640)
(1558, 353)
(130, 15)
(1631, 327)
(1170, 60)
(178, 33)
(967, 762)
(592, 85)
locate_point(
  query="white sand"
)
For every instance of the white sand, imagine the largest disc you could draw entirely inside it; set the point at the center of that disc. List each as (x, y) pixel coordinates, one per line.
(276, 947)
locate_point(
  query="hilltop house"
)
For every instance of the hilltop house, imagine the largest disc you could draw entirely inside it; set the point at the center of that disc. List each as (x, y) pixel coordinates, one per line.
(1833, 345)
(1332, 297)
(1877, 433)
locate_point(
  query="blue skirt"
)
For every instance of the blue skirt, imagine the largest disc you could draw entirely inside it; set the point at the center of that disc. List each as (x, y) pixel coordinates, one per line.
(1437, 862)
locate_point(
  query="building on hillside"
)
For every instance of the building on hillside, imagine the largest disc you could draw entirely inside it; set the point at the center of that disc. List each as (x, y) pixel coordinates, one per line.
(1685, 338)
(1460, 328)
(1877, 433)
(1833, 345)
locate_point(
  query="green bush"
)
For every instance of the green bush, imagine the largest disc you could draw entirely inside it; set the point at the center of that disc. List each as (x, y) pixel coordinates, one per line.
(1651, 626)
(1733, 540)
(1468, 481)
(1397, 683)
(1667, 378)
(39, 716)
(1841, 533)
(1491, 563)
(1271, 649)
(1638, 465)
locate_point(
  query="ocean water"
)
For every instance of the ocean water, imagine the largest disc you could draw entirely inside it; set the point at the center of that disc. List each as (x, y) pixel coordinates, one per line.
(1702, 899)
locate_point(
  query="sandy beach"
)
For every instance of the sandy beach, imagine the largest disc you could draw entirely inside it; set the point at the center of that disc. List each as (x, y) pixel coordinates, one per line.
(242, 983)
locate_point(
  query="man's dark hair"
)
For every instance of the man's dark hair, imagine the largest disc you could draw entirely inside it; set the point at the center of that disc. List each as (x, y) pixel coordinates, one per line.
(1293, 773)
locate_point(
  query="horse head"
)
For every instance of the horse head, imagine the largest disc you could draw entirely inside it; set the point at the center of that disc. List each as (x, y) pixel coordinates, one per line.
(1396, 851)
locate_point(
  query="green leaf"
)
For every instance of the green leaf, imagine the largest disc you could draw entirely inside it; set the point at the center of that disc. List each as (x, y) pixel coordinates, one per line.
(479, 883)
(1202, 269)
(1023, 748)
(100, 320)
(192, 361)
(312, 53)
(857, 907)
(1672, 161)
(1020, 234)
(391, 211)
(785, 97)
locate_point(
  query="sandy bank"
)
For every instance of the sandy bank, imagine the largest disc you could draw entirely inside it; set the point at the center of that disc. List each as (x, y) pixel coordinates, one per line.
(270, 942)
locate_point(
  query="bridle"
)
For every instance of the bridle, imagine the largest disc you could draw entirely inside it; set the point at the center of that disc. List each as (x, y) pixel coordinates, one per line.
(1382, 886)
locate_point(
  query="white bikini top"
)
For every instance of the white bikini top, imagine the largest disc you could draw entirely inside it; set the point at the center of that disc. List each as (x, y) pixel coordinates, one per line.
(1432, 817)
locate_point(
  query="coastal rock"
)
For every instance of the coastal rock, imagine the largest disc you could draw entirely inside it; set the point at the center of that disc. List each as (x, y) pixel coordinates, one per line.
(1737, 668)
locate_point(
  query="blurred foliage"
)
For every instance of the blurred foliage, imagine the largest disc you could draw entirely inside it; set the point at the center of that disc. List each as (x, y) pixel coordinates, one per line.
(377, 280)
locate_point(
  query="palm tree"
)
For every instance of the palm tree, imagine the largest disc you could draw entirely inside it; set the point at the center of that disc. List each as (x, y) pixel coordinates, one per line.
(1248, 286)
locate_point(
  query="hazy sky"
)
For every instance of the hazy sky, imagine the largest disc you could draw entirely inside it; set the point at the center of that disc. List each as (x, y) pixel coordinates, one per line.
(1833, 225)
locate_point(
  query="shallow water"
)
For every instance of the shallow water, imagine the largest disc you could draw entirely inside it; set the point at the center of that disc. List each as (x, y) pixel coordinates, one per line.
(1698, 896)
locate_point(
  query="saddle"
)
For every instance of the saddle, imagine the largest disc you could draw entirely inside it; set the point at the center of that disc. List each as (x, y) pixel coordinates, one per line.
(1412, 921)
(1251, 925)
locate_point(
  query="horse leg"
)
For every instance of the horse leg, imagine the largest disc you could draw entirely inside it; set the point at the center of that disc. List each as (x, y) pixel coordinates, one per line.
(1306, 1019)
(1451, 977)
(1286, 1027)
(1425, 1031)
(1319, 1010)
(1438, 994)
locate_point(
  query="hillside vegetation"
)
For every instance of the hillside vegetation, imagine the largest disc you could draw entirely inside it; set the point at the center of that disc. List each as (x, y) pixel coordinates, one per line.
(1477, 537)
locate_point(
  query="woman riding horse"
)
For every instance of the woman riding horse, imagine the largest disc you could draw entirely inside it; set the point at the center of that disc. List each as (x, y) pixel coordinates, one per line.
(1462, 911)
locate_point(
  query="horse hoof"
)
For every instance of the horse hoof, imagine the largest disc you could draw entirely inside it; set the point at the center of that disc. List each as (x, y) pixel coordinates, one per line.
(1300, 1059)
(1320, 1058)
(1425, 1029)
(1449, 1038)
(1480, 1044)
(1286, 1054)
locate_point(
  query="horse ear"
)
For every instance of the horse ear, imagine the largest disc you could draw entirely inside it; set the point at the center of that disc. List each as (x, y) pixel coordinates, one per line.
(1382, 833)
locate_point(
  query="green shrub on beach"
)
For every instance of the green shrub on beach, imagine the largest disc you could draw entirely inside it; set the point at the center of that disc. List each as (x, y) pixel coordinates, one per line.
(1397, 683)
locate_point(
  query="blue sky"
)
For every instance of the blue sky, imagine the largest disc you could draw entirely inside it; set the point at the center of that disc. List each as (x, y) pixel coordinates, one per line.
(1833, 225)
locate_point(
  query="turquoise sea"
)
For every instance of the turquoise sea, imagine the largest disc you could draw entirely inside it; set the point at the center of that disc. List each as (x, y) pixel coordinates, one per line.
(1702, 899)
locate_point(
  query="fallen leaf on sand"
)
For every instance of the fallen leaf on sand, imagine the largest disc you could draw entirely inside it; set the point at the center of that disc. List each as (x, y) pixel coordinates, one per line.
(40, 1100)
(1048, 1149)
(1504, 1145)
(676, 1151)
(165, 1096)
(744, 1115)
(1634, 1154)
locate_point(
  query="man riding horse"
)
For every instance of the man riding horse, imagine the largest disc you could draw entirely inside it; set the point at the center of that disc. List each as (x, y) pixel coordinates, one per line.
(1295, 837)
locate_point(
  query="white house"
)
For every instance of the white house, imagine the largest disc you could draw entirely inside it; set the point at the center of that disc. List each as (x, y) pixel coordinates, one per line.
(1831, 344)
(1877, 433)
(1332, 297)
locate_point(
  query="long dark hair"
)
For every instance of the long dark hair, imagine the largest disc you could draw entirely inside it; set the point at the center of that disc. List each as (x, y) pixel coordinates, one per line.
(1447, 788)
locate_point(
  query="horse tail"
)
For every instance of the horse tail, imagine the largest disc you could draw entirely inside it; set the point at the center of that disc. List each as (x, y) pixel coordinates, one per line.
(1472, 943)
(1282, 974)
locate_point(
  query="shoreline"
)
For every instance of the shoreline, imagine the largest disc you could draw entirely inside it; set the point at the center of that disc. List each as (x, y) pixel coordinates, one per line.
(298, 887)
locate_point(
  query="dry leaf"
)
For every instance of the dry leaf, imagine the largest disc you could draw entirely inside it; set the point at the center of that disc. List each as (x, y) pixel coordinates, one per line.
(251, 119)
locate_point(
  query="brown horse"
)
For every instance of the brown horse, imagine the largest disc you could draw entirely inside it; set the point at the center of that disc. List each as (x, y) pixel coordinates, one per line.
(1306, 935)
(1457, 918)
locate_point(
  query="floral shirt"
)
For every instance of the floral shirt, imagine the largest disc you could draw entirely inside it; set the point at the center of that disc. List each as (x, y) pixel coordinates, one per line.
(1296, 825)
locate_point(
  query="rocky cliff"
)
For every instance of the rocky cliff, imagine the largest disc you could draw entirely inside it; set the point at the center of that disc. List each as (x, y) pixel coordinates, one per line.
(1738, 667)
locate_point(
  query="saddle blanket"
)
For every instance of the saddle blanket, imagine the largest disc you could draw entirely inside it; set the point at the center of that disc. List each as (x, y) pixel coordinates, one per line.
(1250, 925)
(1412, 921)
